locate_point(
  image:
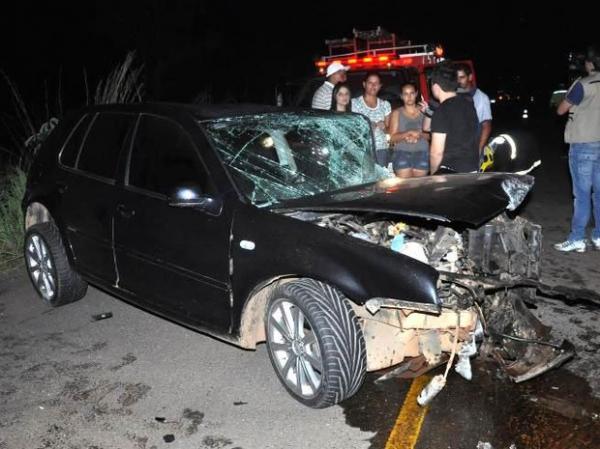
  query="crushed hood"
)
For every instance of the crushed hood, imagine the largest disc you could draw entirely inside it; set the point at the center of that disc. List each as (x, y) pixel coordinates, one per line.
(471, 199)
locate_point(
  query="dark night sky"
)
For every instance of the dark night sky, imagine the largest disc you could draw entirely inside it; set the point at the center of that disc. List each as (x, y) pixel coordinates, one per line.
(241, 49)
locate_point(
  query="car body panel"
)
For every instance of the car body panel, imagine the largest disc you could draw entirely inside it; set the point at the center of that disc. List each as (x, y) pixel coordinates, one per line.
(284, 246)
(175, 257)
(465, 198)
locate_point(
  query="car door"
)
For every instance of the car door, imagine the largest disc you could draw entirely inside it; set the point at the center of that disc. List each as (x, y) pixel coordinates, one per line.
(87, 190)
(174, 258)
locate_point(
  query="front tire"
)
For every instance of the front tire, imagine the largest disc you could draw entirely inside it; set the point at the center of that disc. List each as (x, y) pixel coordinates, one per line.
(315, 343)
(49, 268)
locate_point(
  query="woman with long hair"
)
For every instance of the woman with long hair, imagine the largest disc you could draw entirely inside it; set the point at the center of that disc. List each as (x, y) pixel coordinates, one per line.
(340, 100)
(411, 144)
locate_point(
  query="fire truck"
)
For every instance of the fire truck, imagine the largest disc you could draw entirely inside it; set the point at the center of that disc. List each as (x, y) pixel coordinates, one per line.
(396, 61)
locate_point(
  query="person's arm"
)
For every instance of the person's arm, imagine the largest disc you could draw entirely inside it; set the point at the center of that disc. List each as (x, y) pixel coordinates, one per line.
(315, 100)
(485, 116)
(386, 121)
(573, 98)
(436, 151)
(395, 136)
(564, 107)
(427, 124)
(486, 130)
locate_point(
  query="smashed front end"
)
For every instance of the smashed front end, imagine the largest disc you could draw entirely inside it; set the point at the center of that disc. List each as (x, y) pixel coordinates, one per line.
(487, 280)
(319, 168)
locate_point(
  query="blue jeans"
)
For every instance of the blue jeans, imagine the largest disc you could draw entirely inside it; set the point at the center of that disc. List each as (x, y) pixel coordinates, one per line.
(584, 163)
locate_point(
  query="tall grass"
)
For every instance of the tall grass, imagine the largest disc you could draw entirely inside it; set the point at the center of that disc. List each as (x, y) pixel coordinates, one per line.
(123, 84)
(28, 132)
(12, 189)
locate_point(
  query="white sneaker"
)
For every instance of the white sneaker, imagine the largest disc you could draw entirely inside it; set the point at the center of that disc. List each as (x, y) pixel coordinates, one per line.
(596, 243)
(570, 245)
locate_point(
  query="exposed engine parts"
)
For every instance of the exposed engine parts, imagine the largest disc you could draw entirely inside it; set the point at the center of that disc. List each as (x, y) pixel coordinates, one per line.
(487, 276)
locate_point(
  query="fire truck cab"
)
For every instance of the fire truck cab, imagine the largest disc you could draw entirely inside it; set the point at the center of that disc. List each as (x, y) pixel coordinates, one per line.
(396, 61)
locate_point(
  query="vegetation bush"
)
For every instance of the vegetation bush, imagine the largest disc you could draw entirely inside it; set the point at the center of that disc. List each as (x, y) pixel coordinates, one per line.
(27, 133)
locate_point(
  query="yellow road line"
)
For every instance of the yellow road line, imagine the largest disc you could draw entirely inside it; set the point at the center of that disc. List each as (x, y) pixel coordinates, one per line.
(407, 428)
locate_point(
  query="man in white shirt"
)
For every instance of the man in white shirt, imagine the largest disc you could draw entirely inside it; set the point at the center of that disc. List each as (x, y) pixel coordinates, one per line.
(336, 73)
(481, 101)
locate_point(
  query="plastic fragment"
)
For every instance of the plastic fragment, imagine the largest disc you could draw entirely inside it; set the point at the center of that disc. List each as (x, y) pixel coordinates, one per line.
(102, 316)
(435, 385)
(463, 366)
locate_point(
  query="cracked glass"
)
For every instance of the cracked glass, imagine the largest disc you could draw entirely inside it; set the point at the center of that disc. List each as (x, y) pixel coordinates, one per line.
(281, 156)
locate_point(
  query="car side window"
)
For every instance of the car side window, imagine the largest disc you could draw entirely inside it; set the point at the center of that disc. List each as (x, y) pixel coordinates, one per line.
(68, 154)
(164, 157)
(110, 132)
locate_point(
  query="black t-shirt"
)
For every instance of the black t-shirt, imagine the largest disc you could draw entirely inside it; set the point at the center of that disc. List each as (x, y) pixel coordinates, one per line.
(456, 117)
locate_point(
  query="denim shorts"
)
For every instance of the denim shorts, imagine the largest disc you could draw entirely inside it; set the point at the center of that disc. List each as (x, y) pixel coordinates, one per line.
(411, 159)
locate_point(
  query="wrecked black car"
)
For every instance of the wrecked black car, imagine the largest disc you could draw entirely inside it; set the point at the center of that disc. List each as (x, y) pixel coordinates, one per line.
(256, 224)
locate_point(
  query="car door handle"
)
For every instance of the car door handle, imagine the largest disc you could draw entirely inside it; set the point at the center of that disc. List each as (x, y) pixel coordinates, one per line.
(124, 211)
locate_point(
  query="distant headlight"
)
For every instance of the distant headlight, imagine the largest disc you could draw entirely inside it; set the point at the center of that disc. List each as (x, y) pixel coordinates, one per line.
(516, 190)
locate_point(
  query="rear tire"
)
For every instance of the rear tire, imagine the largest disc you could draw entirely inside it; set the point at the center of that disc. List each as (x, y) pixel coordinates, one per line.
(315, 343)
(48, 266)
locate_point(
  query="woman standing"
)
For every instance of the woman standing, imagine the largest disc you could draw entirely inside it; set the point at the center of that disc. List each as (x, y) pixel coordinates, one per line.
(340, 100)
(378, 111)
(411, 146)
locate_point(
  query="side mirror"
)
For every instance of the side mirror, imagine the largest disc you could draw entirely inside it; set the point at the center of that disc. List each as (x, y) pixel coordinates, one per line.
(191, 196)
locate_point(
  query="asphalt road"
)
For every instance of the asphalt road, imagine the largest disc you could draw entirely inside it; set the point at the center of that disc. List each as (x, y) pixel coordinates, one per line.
(138, 381)
(70, 382)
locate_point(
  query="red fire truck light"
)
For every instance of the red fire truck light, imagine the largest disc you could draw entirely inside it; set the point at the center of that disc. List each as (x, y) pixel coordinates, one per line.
(403, 61)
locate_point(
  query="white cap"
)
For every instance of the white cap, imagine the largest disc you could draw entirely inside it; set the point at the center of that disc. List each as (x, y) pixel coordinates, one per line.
(335, 67)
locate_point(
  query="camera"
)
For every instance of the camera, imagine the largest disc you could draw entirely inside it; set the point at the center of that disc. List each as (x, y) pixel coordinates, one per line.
(577, 61)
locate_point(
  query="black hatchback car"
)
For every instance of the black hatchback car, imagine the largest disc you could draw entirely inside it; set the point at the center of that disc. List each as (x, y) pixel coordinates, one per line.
(259, 224)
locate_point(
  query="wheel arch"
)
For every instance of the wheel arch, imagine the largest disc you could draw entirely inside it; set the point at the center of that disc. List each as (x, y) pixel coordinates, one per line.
(35, 213)
(252, 321)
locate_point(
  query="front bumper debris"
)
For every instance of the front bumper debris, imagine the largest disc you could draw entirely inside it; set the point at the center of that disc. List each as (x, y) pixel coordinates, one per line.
(493, 311)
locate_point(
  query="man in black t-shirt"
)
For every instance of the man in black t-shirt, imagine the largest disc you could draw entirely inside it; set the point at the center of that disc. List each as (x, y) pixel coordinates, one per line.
(454, 126)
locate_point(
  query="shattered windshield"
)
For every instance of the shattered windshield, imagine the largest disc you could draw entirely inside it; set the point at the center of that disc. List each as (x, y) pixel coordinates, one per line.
(282, 156)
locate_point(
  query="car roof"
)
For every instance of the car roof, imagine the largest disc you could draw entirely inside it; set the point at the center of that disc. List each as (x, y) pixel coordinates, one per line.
(202, 112)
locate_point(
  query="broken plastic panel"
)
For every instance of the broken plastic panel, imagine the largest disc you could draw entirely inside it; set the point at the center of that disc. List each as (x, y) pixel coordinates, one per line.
(275, 157)
(102, 316)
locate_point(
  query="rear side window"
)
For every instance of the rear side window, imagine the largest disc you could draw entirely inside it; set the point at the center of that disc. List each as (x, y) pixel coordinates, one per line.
(110, 132)
(164, 157)
(69, 153)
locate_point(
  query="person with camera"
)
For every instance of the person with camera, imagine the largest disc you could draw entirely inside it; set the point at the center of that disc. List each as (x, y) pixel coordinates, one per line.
(582, 133)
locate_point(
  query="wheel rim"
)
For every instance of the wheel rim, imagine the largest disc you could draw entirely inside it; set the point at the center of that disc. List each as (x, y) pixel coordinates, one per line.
(40, 266)
(294, 348)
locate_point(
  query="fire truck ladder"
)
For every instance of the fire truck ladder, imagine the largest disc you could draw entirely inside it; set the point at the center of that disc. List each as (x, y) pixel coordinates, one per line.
(377, 46)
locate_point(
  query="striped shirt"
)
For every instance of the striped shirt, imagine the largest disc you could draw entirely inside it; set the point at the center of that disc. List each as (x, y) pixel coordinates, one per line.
(322, 97)
(376, 114)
